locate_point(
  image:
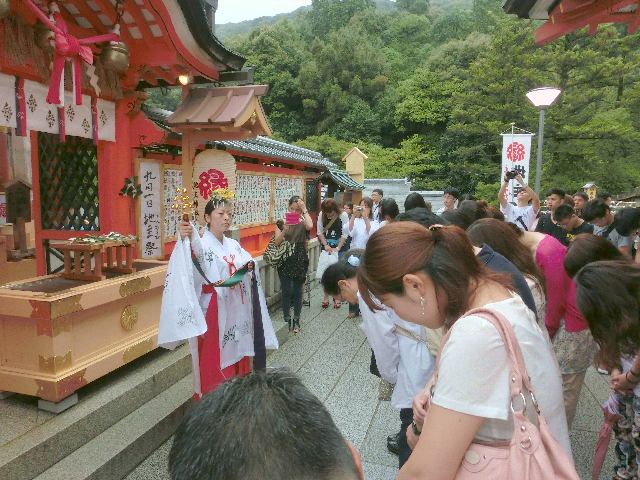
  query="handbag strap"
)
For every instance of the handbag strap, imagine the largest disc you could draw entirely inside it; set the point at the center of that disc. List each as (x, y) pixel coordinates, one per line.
(519, 376)
(330, 224)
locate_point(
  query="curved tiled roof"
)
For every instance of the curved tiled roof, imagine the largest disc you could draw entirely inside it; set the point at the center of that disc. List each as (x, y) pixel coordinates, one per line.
(277, 150)
(343, 179)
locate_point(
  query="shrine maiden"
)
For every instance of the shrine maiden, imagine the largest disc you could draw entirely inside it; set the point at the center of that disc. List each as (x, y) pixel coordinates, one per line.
(230, 294)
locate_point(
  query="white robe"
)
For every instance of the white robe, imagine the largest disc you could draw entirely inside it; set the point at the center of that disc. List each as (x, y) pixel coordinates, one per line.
(402, 361)
(235, 311)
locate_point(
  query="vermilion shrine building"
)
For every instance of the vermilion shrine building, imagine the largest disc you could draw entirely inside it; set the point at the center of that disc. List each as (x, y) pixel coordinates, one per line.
(565, 16)
(99, 163)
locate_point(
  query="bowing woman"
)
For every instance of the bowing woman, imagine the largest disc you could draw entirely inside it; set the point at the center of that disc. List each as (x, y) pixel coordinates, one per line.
(433, 282)
(231, 296)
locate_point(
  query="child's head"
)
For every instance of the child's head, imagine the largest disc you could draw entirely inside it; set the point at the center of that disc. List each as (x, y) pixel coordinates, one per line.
(340, 281)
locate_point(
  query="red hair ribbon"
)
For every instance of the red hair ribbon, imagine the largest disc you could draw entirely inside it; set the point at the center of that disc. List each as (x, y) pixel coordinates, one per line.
(67, 47)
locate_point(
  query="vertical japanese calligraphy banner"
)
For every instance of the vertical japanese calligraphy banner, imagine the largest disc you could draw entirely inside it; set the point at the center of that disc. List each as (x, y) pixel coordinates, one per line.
(150, 221)
(516, 154)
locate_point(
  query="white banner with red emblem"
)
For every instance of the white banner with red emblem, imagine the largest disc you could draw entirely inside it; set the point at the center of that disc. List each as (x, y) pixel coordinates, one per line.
(212, 169)
(516, 154)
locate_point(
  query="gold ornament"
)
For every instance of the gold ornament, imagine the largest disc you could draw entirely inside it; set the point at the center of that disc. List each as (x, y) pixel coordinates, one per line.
(184, 203)
(129, 317)
(115, 57)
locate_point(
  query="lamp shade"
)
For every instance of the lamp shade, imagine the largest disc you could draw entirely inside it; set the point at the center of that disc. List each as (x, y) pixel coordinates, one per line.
(543, 97)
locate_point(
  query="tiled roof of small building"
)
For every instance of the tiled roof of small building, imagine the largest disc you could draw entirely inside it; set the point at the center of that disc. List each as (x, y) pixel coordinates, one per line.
(343, 179)
(277, 150)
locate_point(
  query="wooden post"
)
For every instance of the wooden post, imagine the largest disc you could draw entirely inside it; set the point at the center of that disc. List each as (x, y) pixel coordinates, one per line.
(188, 152)
(76, 262)
(99, 259)
(20, 232)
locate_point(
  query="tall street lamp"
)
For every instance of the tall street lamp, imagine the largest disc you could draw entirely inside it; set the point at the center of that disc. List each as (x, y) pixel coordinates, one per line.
(542, 98)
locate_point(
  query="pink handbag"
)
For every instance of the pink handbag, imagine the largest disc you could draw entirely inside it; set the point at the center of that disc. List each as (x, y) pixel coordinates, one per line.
(532, 453)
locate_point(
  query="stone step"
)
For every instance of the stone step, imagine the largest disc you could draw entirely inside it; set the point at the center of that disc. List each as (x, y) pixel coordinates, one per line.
(102, 404)
(119, 449)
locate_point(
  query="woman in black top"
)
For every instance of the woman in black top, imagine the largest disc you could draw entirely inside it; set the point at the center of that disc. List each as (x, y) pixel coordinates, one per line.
(293, 271)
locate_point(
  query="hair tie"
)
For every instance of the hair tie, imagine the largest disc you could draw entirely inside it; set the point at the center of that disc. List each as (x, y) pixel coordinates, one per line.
(353, 261)
(435, 227)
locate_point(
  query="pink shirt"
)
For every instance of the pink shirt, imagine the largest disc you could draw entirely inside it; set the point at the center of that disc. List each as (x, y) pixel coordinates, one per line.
(560, 289)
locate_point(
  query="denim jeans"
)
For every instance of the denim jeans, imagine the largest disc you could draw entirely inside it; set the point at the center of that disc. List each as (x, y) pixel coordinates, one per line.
(291, 295)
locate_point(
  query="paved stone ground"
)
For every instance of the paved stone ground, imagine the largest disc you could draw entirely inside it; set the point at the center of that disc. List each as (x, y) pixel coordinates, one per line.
(332, 357)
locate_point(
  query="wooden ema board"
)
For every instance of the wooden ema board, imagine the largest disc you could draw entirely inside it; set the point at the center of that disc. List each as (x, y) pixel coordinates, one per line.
(156, 222)
(263, 198)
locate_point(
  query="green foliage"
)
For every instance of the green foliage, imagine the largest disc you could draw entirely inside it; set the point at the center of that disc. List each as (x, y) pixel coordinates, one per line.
(424, 88)
(165, 98)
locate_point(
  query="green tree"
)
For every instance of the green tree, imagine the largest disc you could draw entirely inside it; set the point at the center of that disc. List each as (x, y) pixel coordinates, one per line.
(419, 7)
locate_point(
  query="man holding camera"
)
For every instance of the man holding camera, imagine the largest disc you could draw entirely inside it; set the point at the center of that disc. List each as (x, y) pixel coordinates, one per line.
(528, 203)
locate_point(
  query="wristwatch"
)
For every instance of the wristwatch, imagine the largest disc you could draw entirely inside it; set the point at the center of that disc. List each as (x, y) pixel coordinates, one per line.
(414, 427)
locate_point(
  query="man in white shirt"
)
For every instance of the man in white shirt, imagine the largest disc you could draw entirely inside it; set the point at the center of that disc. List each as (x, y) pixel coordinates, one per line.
(528, 204)
(449, 198)
(376, 196)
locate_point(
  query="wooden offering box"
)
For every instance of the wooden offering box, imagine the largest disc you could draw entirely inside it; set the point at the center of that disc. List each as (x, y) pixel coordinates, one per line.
(90, 261)
(58, 334)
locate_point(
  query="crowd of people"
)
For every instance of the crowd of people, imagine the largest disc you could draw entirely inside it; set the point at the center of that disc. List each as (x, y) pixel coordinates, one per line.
(485, 320)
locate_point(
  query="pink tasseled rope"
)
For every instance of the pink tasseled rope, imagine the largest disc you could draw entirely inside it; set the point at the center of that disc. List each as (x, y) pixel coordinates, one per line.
(67, 47)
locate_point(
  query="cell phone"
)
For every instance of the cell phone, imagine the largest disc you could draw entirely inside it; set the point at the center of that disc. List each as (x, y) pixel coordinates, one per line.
(292, 218)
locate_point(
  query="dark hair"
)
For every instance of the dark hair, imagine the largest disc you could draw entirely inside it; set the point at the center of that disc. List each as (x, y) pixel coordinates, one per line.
(501, 237)
(209, 208)
(568, 200)
(414, 200)
(556, 191)
(424, 217)
(582, 195)
(445, 254)
(378, 190)
(389, 208)
(294, 199)
(369, 203)
(454, 192)
(627, 220)
(593, 209)
(466, 196)
(474, 209)
(263, 425)
(493, 212)
(349, 205)
(604, 195)
(341, 270)
(587, 248)
(563, 211)
(458, 217)
(329, 205)
(608, 295)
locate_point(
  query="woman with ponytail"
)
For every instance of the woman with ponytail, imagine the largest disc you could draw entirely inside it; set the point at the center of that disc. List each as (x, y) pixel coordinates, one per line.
(433, 282)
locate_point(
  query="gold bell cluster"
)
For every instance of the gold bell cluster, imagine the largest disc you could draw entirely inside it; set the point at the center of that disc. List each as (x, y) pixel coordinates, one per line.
(183, 202)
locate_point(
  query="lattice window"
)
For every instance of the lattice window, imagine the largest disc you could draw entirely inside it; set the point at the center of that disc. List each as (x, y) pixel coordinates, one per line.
(68, 183)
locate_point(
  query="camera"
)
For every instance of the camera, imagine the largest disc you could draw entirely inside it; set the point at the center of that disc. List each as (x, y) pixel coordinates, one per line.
(359, 209)
(511, 175)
